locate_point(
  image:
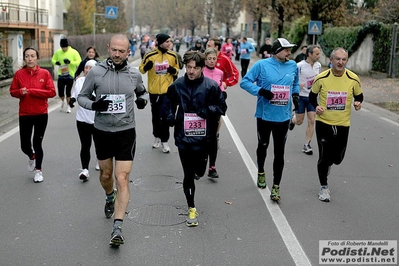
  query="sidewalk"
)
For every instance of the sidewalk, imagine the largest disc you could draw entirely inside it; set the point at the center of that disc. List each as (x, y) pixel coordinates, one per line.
(9, 106)
(380, 94)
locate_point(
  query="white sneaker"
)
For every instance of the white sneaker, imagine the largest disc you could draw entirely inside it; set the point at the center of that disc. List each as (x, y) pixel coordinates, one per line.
(157, 143)
(97, 166)
(68, 109)
(31, 165)
(38, 176)
(165, 147)
(84, 175)
(324, 194)
(62, 106)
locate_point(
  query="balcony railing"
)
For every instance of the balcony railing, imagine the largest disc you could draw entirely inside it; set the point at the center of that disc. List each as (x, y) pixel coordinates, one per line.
(22, 15)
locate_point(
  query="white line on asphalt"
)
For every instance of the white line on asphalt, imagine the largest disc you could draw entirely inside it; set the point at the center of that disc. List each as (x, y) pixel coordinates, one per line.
(9, 134)
(390, 121)
(16, 129)
(288, 236)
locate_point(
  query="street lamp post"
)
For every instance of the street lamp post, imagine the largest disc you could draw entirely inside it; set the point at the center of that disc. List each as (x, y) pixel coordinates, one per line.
(94, 27)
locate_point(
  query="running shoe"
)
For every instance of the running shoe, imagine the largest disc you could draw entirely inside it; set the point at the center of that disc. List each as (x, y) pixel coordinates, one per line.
(261, 180)
(38, 178)
(84, 175)
(97, 166)
(157, 143)
(68, 110)
(275, 194)
(307, 149)
(117, 238)
(212, 172)
(31, 163)
(165, 147)
(110, 205)
(324, 194)
(192, 217)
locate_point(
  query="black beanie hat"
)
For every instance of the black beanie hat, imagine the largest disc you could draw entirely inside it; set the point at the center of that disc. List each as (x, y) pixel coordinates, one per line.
(161, 38)
(64, 42)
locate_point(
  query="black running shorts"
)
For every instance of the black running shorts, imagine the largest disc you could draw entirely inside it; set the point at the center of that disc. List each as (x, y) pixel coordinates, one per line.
(121, 144)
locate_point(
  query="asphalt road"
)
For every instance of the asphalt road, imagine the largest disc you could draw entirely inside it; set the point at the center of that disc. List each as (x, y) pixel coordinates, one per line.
(61, 221)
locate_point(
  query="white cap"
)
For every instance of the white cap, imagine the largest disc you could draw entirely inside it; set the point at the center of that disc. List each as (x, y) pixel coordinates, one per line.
(91, 63)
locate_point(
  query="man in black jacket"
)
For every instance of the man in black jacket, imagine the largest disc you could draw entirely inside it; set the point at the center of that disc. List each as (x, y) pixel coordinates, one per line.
(266, 49)
(200, 103)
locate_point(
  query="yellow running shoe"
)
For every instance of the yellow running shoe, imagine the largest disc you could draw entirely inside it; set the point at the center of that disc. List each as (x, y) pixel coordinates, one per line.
(192, 217)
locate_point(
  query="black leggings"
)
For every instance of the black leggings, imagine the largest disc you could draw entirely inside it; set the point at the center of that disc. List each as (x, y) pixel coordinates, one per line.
(332, 142)
(64, 87)
(36, 124)
(213, 145)
(194, 164)
(160, 129)
(279, 131)
(85, 131)
(244, 66)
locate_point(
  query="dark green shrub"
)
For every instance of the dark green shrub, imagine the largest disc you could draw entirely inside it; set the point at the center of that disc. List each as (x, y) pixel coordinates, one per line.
(5, 64)
(351, 38)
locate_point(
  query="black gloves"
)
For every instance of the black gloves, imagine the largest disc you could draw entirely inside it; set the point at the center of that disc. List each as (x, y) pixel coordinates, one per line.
(141, 103)
(66, 61)
(266, 93)
(58, 63)
(71, 102)
(295, 100)
(171, 70)
(224, 94)
(101, 104)
(203, 113)
(148, 66)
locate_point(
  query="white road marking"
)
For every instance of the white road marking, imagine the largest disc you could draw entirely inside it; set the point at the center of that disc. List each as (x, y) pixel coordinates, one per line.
(288, 236)
(9, 134)
(389, 120)
(16, 129)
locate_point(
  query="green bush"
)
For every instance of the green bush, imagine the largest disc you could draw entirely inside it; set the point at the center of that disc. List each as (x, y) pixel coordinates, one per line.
(296, 31)
(351, 38)
(5, 64)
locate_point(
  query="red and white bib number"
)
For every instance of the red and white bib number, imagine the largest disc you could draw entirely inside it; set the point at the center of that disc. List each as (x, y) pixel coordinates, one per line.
(281, 94)
(194, 125)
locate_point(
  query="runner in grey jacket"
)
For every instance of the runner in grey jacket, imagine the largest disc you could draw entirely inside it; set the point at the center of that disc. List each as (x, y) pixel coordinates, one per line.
(115, 85)
(117, 82)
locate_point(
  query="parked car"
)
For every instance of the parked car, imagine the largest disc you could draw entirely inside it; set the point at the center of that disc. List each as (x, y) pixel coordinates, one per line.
(252, 41)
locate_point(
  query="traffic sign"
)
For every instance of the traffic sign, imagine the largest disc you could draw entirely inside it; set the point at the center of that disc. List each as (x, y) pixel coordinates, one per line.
(111, 12)
(314, 27)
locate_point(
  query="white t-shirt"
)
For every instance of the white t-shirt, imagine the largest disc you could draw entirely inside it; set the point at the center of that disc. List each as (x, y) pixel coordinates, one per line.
(82, 114)
(307, 74)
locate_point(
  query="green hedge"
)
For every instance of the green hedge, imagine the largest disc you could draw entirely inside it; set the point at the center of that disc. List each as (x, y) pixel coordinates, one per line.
(5, 64)
(349, 38)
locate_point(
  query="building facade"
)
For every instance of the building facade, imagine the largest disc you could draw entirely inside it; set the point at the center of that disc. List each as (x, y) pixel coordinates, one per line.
(39, 22)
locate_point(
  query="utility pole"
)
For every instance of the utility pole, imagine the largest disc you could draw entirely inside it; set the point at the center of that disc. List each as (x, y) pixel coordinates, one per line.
(133, 18)
(94, 27)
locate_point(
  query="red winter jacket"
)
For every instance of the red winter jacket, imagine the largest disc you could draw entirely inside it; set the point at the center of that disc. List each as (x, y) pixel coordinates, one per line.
(230, 72)
(40, 87)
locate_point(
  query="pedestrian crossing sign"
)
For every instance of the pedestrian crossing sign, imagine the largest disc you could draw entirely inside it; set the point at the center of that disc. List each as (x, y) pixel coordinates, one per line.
(111, 12)
(314, 27)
